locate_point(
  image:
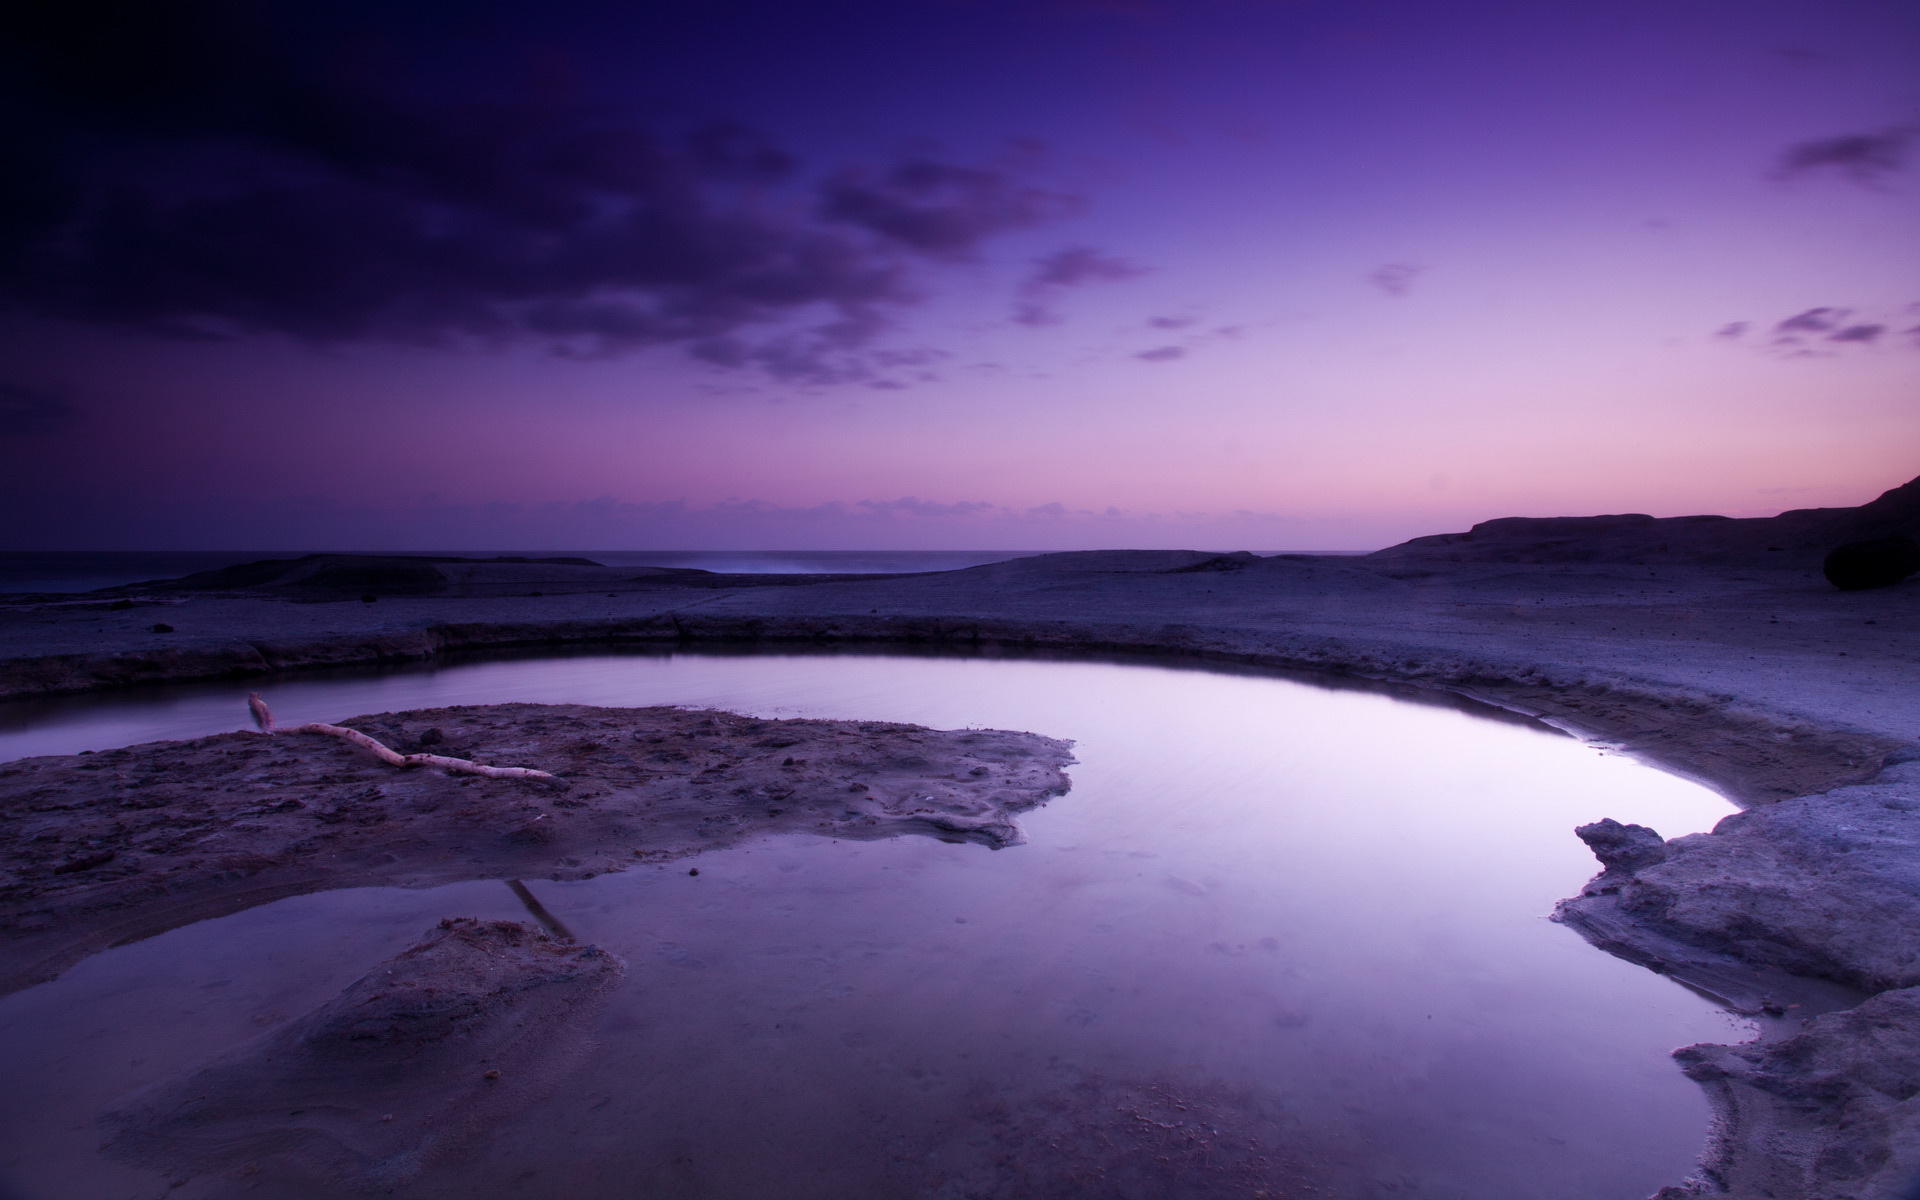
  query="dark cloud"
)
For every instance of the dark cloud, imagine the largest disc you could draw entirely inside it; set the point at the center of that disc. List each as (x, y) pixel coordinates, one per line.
(1169, 322)
(821, 357)
(937, 209)
(31, 412)
(189, 167)
(1162, 354)
(1857, 333)
(1864, 158)
(1814, 320)
(1069, 268)
(1732, 331)
(1081, 264)
(1395, 278)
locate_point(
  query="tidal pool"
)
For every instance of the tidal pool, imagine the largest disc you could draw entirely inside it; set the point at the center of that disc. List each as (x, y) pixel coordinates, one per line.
(1281, 939)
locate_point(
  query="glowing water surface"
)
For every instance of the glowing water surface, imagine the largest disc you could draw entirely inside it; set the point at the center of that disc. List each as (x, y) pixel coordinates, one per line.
(1279, 937)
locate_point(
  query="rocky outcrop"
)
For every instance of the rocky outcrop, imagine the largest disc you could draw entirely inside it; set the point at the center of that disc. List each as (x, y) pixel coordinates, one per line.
(1799, 539)
(1796, 910)
(1829, 1113)
(100, 849)
(1823, 886)
(1623, 848)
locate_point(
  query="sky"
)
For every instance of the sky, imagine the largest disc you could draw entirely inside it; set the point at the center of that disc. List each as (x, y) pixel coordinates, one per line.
(946, 274)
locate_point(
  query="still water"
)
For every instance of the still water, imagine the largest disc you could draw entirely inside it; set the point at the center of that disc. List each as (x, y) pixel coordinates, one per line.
(1280, 940)
(25, 571)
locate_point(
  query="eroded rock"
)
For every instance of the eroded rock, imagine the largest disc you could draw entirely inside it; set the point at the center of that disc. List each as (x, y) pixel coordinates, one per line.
(1825, 886)
(1623, 847)
(1830, 1112)
(98, 849)
(1800, 909)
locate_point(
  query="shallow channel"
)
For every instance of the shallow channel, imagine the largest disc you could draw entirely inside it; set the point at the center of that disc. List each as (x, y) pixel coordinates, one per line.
(1280, 940)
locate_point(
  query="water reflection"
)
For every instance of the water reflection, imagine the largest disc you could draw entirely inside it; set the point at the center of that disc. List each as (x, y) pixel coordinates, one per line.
(538, 911)
(69, 724)
(1276, 936)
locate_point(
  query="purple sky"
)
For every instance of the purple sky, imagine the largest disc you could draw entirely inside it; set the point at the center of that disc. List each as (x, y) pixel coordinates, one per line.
(947, 274)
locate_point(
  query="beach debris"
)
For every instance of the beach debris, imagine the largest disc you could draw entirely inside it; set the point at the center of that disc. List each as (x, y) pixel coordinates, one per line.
(555, 927)
(263, 717)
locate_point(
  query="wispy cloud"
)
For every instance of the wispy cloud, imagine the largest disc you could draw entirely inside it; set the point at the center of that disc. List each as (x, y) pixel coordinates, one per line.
(1191, 339)
(1162, 354)
(1864, 158)
(1821, 332)
(938, 209)
(1396, 278)
(1073, 267)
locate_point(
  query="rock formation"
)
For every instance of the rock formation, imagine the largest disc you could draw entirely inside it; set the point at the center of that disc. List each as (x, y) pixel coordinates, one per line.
(115, 846)
(1799, 539)
(1796, 910)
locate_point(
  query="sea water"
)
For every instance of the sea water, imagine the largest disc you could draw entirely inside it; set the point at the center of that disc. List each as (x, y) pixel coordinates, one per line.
(1279, 938)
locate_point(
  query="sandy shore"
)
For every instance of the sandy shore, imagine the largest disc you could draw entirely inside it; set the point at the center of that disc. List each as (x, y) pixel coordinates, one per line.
(1791, 697)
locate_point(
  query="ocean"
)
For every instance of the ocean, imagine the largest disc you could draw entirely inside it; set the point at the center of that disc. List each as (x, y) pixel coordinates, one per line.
(85, 570)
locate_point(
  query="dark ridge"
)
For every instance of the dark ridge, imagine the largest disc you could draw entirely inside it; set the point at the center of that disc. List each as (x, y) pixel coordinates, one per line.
(392, 571)
(327, 577)
(1801, 538)
(1224, 562)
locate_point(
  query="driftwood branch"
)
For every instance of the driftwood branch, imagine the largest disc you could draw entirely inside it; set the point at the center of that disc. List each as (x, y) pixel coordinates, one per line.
(263, 717)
